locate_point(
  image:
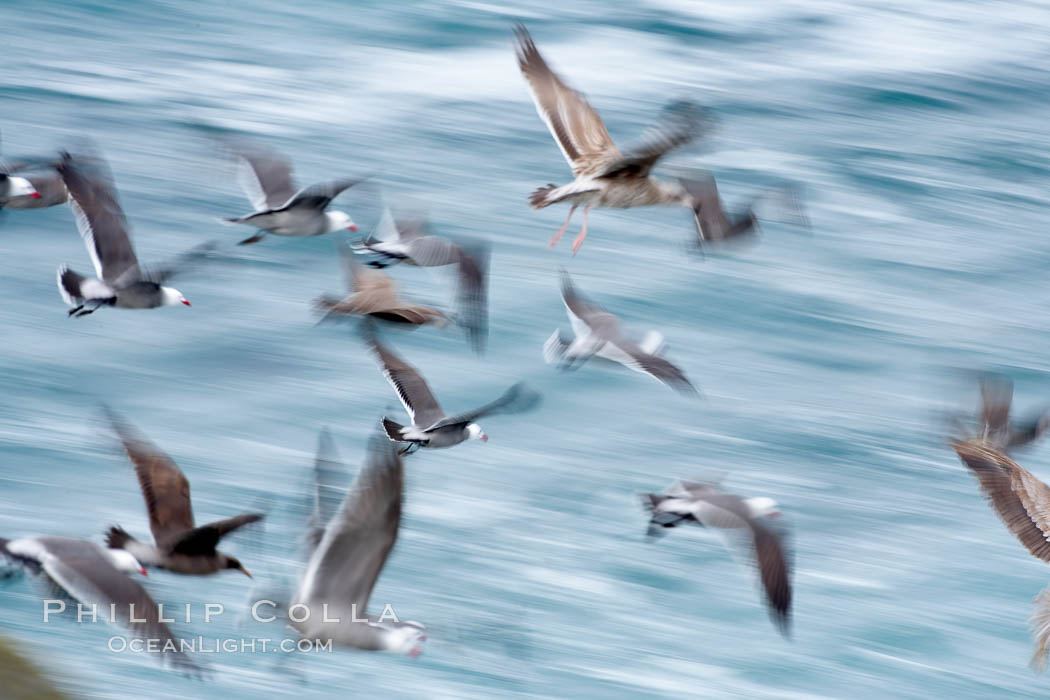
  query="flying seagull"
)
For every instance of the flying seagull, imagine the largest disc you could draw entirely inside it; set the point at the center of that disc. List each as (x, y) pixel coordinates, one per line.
(1022, 502)
(346, 562)
(598, 334)
(47, 191)
(708, 506)
(30, 191)
(98, 577)
(374, 293)
(714, 225)
(280, 206)
(179, 546)
(1018, 497)
(409, 241)
(430, 426)
(604, 176)
(14, 188)
(121, 282)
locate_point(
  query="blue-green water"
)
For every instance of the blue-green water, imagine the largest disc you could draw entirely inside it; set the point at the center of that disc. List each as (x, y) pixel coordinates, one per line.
(919, 133)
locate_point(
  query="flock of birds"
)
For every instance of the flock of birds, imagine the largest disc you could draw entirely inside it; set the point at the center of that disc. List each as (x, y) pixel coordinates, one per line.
(347, 545)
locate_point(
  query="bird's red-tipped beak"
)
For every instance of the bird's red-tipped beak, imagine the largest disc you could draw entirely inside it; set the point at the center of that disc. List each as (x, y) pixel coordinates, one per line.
(774, 514)
(351, 227)
(35, 195)
(416, 651)
(185, 302)
(246, 572)
(142, 570)
(484, 438)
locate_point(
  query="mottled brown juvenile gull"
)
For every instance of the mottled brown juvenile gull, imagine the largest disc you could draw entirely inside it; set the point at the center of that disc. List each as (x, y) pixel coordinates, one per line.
(374, 293)
(1018, 497)
(604, 176)
(179, 546)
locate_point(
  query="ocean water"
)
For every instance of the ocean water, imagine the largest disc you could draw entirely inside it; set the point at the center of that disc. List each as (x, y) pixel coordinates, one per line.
(826, 359)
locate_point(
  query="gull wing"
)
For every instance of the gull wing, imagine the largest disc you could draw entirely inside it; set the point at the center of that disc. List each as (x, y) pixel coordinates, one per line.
(576, 127)
(99, 217)
(346, 564)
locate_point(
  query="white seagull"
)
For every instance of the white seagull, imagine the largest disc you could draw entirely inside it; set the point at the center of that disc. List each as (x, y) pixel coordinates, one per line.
(605, 177)
(598, 334)
(280, 206)
(708, 506)
(336, 585)
(121, 282)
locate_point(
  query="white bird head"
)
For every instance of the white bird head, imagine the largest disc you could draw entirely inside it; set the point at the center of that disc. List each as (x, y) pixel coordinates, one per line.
(339, 220)
(762, 507)
(171, 296)
(406, 638)
(124, 561)
(20, 187)
(474, 433)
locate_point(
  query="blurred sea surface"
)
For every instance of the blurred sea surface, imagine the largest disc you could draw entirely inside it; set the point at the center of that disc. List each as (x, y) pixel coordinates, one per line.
(827, 360)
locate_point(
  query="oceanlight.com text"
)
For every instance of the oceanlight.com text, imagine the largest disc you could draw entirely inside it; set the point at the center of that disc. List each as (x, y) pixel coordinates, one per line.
(218, 645)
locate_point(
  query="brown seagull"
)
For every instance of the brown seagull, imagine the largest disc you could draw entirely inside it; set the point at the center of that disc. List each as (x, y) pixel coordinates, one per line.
(180, 546)
(374, 293)
(1020, 499)
(604, 176)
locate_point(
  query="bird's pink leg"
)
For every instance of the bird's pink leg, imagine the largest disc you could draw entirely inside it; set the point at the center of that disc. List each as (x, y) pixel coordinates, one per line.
(583, 232)
(557, 236)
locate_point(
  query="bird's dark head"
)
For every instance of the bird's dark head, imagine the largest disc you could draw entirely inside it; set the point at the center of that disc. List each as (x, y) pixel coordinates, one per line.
(234, 563)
